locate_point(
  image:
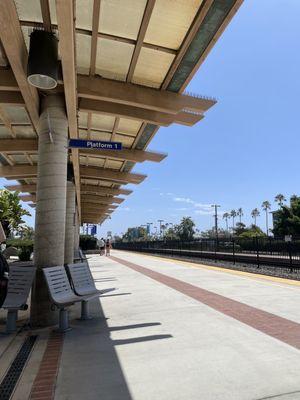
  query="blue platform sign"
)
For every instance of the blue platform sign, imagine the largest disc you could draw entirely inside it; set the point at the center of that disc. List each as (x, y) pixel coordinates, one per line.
(95, 144)
(94, 230)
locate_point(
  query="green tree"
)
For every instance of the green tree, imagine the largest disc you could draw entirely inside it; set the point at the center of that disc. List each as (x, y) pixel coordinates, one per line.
(239, 229)
(293, 198)
(240, 213)
(170, 234)
(252, 231)
(211, 233)
(286, 220)
(26, 232)
(11, 212)
(254, 214)
(280, 199)
(185, 230)
(266, 206)
(135, 234)
(226, 216)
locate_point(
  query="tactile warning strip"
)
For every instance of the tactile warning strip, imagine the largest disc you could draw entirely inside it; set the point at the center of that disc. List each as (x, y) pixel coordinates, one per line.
(14, 372)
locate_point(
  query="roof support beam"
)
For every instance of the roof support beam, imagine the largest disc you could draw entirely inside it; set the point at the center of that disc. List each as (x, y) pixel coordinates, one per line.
(98, 211)
(87, 204)
(95, 27)
(102, 190)
(107, 36)
(18, 145)
(101, 199)
(24, 188)
(95, 88)
(8, 81)
(153, 117)
(45, 9)
(111, 175)
(126, 154)
(90, 219)
(13, 42)
(18, 171)
(94, 213)
(65, 21)
(21, 145)
(11, 98)
(28, 197)
(140, 39)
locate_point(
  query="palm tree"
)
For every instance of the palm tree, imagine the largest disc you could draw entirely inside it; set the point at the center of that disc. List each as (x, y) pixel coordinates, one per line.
(254, 214)
(233, 214)
(293, 198)
(266, 206)
(226, 216)
(240, 214)
(280, 199)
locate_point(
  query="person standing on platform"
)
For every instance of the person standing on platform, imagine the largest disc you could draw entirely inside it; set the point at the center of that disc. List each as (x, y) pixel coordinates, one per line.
(101, 246)
(107, 247)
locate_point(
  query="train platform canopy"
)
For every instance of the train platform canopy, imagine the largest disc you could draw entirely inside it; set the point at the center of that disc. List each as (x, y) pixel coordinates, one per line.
(124, 67)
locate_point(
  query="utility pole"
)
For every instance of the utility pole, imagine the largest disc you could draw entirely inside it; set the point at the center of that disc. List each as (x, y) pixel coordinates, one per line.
(215, 206)
(160, 221)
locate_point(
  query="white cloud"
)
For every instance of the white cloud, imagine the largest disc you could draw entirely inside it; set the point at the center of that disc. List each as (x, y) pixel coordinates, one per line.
(184, 200)
(204, 212)
(204, 206)
(201, 208)
(166, 194)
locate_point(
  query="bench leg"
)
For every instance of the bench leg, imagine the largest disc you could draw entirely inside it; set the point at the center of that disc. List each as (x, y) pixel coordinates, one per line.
(63, 320)
(85, 311)
(11, 322)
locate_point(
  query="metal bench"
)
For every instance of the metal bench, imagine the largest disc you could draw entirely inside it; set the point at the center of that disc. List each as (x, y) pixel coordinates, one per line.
(19, 285)
(79, 256)
(61, 293)
(83, 285)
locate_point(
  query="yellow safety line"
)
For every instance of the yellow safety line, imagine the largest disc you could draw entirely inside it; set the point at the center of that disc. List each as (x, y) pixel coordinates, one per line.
(229, 271)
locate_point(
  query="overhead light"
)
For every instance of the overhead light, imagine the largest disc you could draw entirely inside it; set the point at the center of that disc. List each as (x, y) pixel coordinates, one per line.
(42, 67)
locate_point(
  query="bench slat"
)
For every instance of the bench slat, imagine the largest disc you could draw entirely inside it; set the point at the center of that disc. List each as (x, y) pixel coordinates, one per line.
(19, 285)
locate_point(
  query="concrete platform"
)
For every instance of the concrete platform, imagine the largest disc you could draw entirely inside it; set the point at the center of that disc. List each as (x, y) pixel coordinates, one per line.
(172, 330)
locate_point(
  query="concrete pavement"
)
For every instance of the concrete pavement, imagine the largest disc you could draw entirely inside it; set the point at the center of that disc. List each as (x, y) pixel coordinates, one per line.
(157, 343)
(186, 332)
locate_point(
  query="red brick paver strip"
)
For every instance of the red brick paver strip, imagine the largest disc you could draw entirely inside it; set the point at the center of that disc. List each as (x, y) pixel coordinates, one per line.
(43, 387)
(277, 327)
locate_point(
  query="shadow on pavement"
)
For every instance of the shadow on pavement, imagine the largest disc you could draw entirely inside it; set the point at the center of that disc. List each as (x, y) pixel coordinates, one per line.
(90, 368)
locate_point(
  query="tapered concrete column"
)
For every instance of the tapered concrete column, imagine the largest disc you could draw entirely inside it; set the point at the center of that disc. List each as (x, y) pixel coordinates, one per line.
(70, 223)
(76, 234)
(50, 217)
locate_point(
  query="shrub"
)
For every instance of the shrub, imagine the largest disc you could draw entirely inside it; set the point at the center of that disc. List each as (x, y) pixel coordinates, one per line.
(25, 247)
(25, 254)
(88, 242)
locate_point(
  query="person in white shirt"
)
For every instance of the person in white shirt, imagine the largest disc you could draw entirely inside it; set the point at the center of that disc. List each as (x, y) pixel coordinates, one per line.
(101, 245)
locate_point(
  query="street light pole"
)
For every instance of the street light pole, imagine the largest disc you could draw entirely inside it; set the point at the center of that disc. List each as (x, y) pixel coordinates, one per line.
(160, 221)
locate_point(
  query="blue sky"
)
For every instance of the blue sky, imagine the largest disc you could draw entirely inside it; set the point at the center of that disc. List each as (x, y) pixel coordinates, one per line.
(246, 149)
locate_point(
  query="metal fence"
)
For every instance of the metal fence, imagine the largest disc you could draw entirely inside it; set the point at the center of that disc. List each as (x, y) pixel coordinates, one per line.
(258, 251)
